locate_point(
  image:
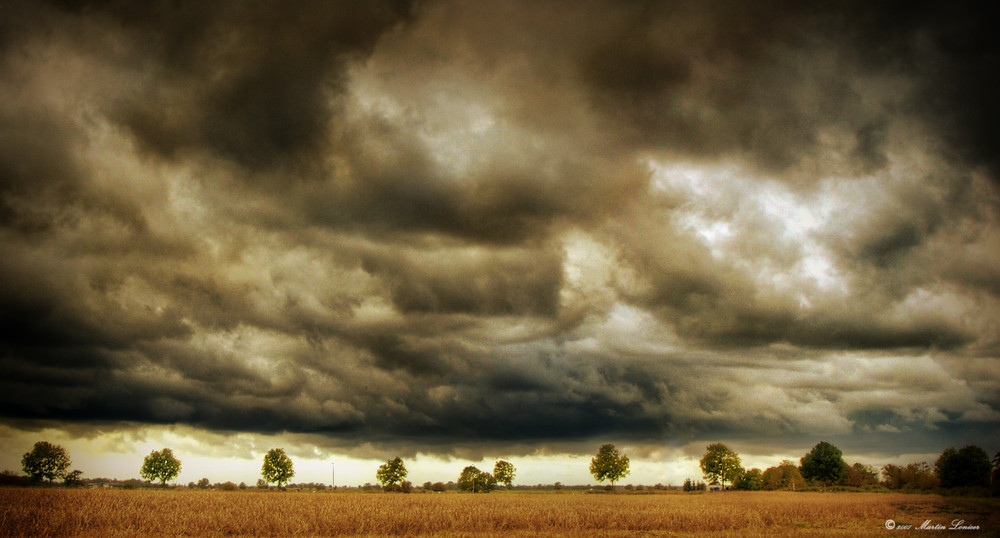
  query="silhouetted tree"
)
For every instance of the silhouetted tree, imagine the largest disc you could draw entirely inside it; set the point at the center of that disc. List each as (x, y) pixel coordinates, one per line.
(73, 479)
(969, 466)
(824, 463)
(720, 463)
(995, 476)
(913, 476)
(859, 475)
(160, 465)
(277, 467)
(46, 460)
(609, 464)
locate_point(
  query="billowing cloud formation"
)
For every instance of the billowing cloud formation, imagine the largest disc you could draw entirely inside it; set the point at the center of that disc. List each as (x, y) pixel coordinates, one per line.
(447, 225)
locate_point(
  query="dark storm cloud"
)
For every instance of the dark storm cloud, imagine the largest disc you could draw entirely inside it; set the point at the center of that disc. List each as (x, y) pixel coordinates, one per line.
(516, 283)
(729, 78)
(252, 84)
(454, 223)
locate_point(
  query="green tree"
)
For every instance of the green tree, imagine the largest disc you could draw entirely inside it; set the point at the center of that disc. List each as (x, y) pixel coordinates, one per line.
(721, 464)
(390, 472)
(46, 460)
(609, 464)
(785, 476)
(504, 472)
(824, 463)
(277, 467)
(476, 481)
(752, 480)
(160, 465)
(969, 466)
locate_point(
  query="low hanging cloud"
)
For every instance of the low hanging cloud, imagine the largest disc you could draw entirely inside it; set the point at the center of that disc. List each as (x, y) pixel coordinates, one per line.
(451, 227)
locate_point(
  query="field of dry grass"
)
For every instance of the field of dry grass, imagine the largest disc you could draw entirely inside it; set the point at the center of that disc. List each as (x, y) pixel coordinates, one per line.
(40, 512)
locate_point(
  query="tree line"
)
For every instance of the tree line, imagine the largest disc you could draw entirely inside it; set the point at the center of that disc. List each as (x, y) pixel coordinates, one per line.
(823, 466)
(48, 461)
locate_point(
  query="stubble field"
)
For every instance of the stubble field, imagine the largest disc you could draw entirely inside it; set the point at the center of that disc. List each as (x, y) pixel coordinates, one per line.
(48, 512)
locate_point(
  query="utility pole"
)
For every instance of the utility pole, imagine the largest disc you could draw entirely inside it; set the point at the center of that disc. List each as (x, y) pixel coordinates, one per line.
(333, 474)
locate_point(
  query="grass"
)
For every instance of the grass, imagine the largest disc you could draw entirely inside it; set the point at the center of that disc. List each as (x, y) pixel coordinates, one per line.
(51, 512)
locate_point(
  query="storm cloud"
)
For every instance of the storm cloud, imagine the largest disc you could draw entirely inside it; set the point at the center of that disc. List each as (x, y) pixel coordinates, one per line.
(441, 226)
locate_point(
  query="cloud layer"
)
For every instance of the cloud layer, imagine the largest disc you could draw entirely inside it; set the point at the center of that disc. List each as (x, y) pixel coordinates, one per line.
(446, 225)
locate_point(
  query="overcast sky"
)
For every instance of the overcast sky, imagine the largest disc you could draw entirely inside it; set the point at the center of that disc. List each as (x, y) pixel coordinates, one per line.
(509, 229)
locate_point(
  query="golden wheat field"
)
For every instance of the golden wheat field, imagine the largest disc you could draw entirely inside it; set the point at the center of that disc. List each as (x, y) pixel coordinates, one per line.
(52, 512)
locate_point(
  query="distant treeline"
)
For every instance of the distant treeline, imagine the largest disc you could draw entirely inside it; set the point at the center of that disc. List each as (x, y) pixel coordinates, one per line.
(968, 468)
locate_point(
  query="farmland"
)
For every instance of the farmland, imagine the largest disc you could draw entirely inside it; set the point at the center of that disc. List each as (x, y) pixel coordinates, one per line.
(109, 512)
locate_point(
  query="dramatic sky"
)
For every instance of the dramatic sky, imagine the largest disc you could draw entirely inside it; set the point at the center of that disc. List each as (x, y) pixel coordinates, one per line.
(456, 231)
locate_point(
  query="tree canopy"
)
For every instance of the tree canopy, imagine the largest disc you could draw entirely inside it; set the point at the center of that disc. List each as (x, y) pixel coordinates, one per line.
(969, 466)
(46, 460)
(824, 463)
(277, 467)
(752, 480)
(785, 476)
(160, 465)
(609, 464)
(913, 476)
(390, 472)
(504, 472)
(476, 481)
(721, 464)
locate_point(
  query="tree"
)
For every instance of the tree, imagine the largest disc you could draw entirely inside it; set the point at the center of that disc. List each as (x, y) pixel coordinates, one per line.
(785, 476)
(720, 463)
(277, 467)
(969, 466)
(160, 465)
(504, 472)
(391, 472)
(609, 464)
(995, 475)
(46, 460)
(73, 479)
(824, 463)
(916, 476)
(752, 480)
(859, 475)
(476, 481)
